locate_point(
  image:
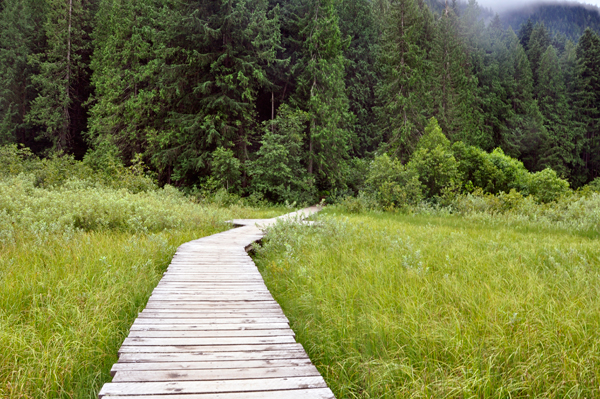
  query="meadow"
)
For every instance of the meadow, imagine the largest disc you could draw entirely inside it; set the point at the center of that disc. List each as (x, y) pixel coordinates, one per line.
(80, 253)
(392, 305)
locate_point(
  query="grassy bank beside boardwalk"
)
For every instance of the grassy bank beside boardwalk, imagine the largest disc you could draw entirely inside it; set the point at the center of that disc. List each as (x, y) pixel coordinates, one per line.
(409, 306)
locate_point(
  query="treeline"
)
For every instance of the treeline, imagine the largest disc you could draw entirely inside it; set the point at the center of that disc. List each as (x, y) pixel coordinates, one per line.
(286, 99)
(569, 19)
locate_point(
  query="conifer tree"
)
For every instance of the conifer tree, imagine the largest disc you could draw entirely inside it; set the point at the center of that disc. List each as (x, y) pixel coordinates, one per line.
(559, 149)
(524, 129)
(358, 25)
(183, 80)
(587, 101)
(63, 78)
(321, 92)
(20, 36)
(538, 43)
(454, 92)
(403, 92)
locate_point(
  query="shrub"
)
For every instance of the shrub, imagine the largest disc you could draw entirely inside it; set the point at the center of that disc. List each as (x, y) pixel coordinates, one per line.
(546, 186)
(394, 185)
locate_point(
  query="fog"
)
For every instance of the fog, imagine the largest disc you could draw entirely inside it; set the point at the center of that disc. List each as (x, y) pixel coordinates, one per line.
(504, 5)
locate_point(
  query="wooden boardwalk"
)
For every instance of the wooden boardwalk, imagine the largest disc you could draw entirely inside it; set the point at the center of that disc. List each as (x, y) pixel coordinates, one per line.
(212, 330)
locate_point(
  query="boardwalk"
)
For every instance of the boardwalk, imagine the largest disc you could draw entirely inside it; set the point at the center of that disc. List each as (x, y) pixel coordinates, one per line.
(212, 330)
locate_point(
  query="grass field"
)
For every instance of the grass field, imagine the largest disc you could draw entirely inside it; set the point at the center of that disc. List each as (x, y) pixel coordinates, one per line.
(397, 306)
(77, 264)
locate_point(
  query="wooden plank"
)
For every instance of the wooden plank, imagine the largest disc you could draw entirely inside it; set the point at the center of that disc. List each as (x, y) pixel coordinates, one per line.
(200, 319)
(211, 334)
(207, 327)
(187, 313)
(228, 364)
(316, 393)
(214, 375)
(180, 357)
(195, 387)
(164, 341)
(207, 348)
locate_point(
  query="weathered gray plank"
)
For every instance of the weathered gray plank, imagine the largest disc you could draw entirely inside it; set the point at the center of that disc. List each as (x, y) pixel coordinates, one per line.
(231, 364)
(207, 348)
(164, 341)
(317, 393)
(212, 356)
(215, 375)
(207, 327)
(196, 387)
(210, 334)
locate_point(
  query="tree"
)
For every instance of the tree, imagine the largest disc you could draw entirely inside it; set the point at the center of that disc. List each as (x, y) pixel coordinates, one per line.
(64, 77)
(358, 25)
(321, 93)
(402, 91)
(278, 171)
(538, 43)
(20, 36)
(587, 101)
(454, 89)
(559, 150)
(524, 128)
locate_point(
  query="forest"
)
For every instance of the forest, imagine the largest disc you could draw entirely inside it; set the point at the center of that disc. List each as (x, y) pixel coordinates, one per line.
(292, 99)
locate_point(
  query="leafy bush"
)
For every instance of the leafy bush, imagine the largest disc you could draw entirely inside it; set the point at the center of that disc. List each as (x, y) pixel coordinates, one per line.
(546, 186)
(394, 185)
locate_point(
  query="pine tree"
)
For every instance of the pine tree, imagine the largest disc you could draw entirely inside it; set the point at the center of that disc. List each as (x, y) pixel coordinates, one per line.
(132, 98)
(321, 93)
(525, 33)
(587, 101)
(19, 38)
(177, 80)
(454, 90)
(538, 43)
(402, 92)
(559, 150)
(524, 131)
(63, 77)
(358, 25)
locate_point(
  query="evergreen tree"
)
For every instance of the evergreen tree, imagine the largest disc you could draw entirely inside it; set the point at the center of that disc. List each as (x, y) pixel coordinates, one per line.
(403, 92)
(587, 101)
(454, 90)
(183, 79)
(357, 23)
(559, 149)
(63, 79)
(20, 36)
(525, 33)
(321, 93)
(524, 129)
(538, 43)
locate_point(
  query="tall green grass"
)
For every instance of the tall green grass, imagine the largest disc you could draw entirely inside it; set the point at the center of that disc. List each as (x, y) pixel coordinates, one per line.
(397, 306)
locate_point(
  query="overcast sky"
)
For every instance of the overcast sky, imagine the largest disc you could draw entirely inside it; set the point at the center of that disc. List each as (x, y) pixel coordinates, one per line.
(502, 5)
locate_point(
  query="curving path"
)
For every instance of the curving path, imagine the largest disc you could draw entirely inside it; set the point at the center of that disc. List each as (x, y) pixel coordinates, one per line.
(212, 330)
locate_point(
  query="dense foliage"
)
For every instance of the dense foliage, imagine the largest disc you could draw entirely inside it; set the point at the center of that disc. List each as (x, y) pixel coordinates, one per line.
(285, 99)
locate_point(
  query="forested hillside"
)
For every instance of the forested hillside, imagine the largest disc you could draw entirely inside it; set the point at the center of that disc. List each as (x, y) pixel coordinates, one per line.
(288, 99)
(569, 19)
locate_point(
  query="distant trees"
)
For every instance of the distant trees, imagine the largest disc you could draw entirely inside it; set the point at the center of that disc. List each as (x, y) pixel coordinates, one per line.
(218, 93)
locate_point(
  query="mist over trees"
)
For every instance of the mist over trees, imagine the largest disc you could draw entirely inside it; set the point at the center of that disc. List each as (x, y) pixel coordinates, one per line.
(290, 98)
